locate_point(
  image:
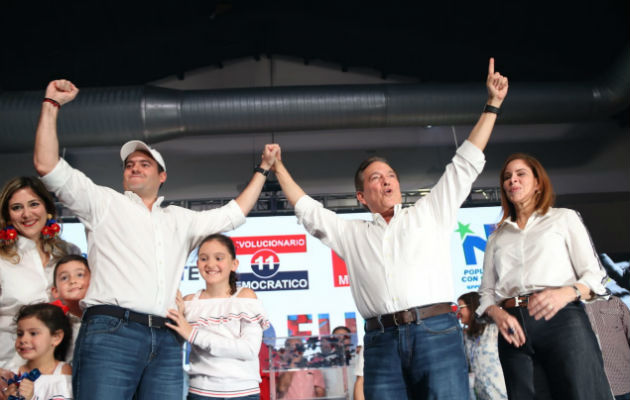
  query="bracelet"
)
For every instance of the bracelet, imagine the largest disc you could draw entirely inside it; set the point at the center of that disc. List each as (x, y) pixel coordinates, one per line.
(265, 172)
(52, 101)
(578, 294)
(492, 109)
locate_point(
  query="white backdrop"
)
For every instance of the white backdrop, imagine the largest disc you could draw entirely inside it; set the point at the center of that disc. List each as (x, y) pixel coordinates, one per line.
(305, 291)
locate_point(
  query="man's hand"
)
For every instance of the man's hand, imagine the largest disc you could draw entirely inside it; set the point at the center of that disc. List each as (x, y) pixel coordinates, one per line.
(497, 85)
(62, 91)
(269, 156)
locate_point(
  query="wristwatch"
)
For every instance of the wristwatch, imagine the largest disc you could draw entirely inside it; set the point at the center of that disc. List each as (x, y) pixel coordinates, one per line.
(262, 171)
(492, 109)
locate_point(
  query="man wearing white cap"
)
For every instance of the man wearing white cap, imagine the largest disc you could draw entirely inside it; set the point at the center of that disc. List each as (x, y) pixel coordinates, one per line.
(137, 251)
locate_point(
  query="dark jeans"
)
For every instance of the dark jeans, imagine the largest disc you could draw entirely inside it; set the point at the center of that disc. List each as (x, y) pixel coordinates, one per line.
(118, 359)
(560, 359)
(416, 361)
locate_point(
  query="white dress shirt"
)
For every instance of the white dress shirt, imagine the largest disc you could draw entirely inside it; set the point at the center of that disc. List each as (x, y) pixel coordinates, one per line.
(136, 255)
(553, 250)
(405, 263)
(226, 338)
(27, 282)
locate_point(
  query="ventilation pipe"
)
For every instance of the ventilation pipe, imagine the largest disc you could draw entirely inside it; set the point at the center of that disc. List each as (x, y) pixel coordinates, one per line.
(111, 116)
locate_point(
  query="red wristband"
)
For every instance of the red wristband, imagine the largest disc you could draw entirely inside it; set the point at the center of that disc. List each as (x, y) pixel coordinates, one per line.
(52, 101)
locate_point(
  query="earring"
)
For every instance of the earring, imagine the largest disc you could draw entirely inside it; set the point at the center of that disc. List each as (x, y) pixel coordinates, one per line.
(51, 229)
(8, 235)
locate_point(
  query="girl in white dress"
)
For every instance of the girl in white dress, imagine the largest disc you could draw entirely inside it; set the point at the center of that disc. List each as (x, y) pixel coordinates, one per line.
(43, 336)
(224, 326)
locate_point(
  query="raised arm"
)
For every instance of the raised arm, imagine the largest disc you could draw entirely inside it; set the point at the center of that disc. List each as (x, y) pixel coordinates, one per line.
(291, 189)
(250, 194)
(497, 86)
(46, 153)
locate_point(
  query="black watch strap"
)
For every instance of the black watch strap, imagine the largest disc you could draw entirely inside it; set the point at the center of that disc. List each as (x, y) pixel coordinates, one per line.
(262, 171)
(492, 109)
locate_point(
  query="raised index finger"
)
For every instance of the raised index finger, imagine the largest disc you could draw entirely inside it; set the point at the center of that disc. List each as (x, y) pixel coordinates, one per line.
(491, 66)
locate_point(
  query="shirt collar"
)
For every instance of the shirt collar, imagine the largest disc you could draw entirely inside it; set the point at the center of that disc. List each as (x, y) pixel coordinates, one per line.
(137, 199)
(25, 244)
(535, 216)
(378, 218)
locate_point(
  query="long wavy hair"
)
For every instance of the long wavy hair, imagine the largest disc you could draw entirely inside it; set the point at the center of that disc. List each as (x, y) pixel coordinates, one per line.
(53, 246)
(544, 197)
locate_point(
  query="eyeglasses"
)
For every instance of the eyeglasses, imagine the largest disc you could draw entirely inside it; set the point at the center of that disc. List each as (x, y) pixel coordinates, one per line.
(459, 307)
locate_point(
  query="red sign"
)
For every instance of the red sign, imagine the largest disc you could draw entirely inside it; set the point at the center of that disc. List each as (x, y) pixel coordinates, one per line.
(340, 271)
(278, 243)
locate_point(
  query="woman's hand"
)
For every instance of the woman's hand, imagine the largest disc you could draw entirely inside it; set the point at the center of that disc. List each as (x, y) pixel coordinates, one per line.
(547, 303)
(509, 326)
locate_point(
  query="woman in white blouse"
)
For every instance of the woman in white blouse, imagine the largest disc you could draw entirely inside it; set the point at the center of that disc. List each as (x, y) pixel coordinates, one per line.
(29, 248)
(538, 265)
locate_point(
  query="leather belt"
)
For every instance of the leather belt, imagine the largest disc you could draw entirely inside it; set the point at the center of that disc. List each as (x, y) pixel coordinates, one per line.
(152, 321)
(407, 316)
(518, 301)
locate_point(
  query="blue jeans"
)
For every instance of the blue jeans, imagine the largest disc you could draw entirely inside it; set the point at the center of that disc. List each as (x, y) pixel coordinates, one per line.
(192, 396)
(416, 361)
(560, 359)
(118, 359)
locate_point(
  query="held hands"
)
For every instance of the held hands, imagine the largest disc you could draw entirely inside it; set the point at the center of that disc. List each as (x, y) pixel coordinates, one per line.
(62, 91)
(547, 303)
(497, 85)
(269, 156)
(508, 325)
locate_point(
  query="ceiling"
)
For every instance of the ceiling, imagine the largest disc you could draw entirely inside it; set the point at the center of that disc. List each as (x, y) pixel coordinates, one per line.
(107, 43)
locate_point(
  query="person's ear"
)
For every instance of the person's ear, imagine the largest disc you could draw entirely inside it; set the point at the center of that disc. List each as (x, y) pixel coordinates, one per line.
(361, 198)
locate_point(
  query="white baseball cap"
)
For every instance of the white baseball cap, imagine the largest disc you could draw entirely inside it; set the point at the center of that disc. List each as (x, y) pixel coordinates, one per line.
(135, 145)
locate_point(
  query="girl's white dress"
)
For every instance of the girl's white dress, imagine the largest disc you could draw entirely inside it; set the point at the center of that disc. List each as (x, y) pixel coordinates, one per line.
(225, 342)
(55, 386)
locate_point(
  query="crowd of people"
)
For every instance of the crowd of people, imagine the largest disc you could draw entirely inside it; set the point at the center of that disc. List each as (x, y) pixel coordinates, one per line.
(117, 321)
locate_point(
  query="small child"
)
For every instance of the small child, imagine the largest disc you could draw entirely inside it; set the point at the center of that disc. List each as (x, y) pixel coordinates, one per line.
(43, 335)
(70, 284)
(227, 327)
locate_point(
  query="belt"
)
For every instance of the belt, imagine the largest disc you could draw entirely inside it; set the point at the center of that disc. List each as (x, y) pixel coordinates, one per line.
(407, 316)
(518, 301)
(152, 321)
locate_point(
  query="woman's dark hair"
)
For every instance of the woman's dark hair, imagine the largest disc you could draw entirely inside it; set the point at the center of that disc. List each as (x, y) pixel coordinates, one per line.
(54, 319)
(471, 299)
(229, 244)
(66, 259)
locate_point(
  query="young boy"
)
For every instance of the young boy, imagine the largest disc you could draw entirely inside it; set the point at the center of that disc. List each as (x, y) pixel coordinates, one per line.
(71, 281)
